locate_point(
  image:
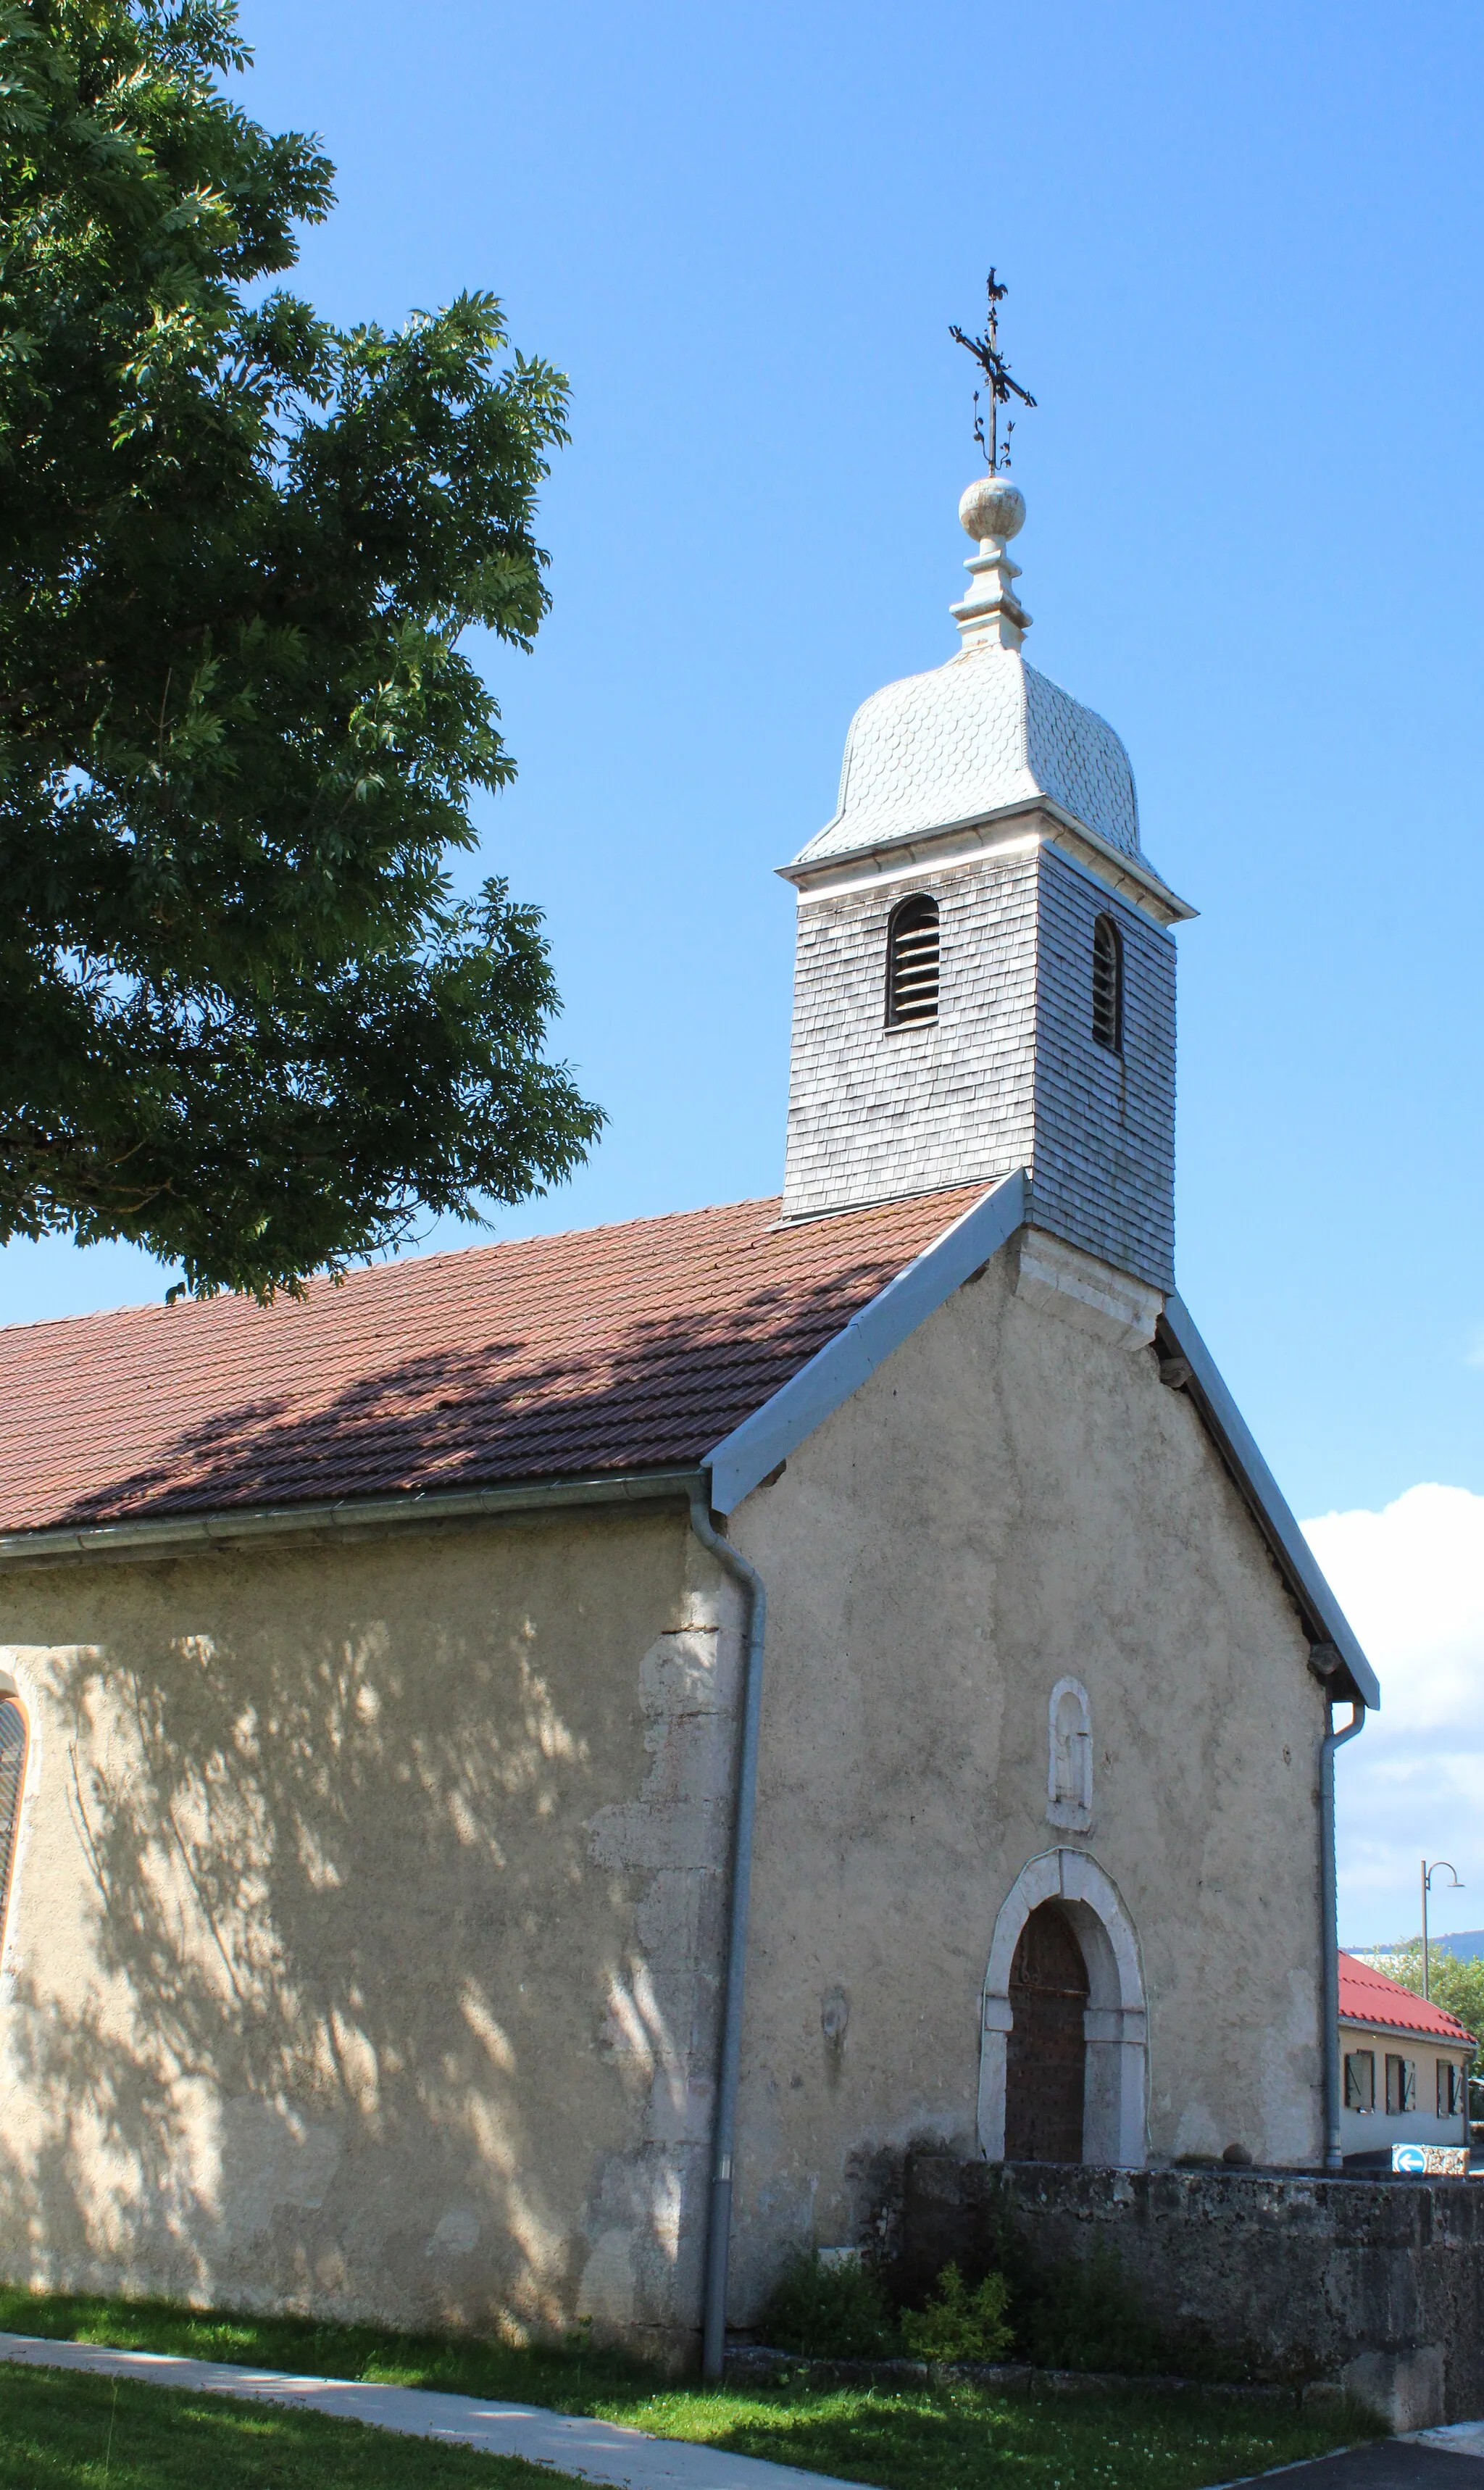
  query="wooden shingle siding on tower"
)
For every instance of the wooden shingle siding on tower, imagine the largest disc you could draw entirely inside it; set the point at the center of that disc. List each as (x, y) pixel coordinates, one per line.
(1104, 1141)
(876, 1113)
(1008, 1075)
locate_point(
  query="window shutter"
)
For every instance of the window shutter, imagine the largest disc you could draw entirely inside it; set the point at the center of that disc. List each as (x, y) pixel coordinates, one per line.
(1108, 985)
(912, 962)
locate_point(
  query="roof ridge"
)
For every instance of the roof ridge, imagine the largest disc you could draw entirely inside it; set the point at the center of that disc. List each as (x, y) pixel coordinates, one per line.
(406, 1262)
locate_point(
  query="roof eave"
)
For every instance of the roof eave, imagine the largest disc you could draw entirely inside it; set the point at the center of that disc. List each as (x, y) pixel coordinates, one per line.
(1132, 876)
(330, 1524)
(1459, 2040)
(1324, 1620)
(745, 1457)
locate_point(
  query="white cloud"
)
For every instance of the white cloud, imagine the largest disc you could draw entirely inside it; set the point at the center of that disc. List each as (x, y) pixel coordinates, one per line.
(1410, 1579)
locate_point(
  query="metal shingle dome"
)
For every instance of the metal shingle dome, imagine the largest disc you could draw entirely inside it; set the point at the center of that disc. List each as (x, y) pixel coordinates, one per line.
(984, 733)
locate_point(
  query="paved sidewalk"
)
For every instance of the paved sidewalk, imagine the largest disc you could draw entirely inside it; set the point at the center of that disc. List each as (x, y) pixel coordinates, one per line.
(1456, 2438)
(1429, 2461)
(595, 2451)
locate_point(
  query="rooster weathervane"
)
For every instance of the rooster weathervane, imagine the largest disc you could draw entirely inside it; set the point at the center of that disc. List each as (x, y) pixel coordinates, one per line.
(1000, 385)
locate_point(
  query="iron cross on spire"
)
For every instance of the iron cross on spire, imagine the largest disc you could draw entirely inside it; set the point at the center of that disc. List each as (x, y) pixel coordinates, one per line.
(986, 354)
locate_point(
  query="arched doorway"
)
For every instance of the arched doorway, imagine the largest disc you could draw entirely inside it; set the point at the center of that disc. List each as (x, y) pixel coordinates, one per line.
(1112, 2011)
(1045, 2072)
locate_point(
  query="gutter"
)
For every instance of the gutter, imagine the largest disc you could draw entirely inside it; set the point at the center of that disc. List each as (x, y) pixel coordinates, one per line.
(347, 1517)
(1383, 2031)
(718, 2235)
(1334, 2155)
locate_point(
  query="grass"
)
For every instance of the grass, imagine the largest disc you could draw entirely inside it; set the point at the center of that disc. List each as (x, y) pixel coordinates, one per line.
(910, 2437)
(964, 2438)
(566, 2379)
(61, 2431)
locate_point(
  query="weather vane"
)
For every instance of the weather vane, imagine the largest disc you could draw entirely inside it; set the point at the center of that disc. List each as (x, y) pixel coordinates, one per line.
(1002, 388)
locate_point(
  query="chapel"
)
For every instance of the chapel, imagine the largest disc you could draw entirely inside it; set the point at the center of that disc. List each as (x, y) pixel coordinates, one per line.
(530, 1779)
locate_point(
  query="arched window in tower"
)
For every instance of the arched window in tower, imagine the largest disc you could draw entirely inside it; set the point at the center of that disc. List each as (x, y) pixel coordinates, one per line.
(1108, 985)
(12, 1778)
(912, 962)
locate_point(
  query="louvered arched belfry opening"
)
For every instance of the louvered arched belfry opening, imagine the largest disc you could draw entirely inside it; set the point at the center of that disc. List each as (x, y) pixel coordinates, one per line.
(1108, 985)
(912, 962)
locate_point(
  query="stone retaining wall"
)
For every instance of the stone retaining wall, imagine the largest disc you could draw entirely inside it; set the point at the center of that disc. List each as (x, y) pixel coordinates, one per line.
(1375, 2285)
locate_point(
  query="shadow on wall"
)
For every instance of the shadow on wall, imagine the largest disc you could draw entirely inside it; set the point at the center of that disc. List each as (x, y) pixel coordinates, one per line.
(329, 2002)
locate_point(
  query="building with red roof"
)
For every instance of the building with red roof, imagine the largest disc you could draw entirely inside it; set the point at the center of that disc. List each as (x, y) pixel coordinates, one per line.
(528, 1779)
(1371, 2001)
(1405, 2065)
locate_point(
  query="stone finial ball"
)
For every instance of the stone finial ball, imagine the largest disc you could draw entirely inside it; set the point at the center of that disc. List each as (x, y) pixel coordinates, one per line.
(992, 507)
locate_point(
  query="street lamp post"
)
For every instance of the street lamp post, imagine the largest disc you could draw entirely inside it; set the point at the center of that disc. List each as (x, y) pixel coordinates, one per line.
(1428, 1873)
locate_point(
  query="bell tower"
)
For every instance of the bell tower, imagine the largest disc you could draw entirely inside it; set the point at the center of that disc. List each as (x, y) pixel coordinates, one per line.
(985, 975)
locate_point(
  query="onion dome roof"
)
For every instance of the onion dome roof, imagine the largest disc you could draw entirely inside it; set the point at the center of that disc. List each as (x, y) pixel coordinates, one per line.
(984, 734)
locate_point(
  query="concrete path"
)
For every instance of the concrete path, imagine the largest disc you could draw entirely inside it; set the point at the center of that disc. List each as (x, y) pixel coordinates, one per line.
(627, 2460)
(595, 2451)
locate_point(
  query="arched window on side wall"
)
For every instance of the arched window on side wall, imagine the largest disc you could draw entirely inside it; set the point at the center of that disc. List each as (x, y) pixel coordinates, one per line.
(1108, 985)
(912, 962)
(13, 1782)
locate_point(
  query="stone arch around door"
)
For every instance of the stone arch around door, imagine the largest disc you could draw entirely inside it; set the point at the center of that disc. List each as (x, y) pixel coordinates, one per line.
(1115, 2019)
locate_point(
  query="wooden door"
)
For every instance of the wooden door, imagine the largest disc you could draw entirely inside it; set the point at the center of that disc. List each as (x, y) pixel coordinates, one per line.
(1046, 2053)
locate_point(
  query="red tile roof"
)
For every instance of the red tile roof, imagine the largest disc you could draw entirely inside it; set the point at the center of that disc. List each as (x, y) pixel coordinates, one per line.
(1368, 1996)
(612, 1349)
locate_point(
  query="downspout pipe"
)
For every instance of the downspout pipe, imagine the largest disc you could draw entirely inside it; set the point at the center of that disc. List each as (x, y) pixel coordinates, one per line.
(1334, 2157)
(718, 2232)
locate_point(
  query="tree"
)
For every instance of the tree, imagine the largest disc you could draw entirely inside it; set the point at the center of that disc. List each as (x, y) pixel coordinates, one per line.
(245, 1024)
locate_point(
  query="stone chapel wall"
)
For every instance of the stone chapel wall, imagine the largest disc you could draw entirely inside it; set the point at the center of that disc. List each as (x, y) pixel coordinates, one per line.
(361, 1949)
(1006, 1504)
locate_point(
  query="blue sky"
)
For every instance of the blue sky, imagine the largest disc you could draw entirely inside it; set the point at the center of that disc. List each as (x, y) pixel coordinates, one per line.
(1243, 250)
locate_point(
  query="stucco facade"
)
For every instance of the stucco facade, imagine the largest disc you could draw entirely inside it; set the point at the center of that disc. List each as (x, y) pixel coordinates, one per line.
(366, 1924)
(352, 1955)
(1009, 1501)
